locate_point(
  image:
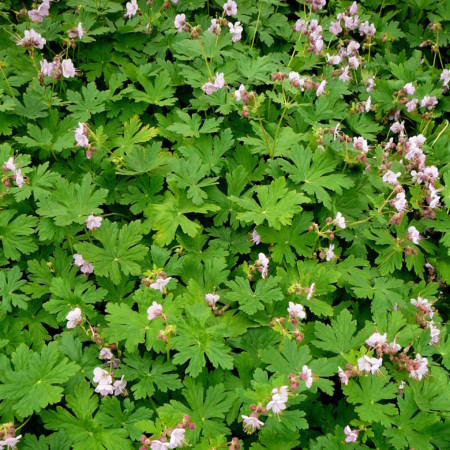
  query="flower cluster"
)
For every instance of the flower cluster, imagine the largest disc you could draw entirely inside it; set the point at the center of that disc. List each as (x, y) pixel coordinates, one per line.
(261, 265)
(157, 280)
(17, 177)
(57, 68)
(171, 438)
(217, 83)
(425, 311)
(38, 14)
(8, 438)
(85, 266)
(106, 386)
(82, 139)
(32, 39)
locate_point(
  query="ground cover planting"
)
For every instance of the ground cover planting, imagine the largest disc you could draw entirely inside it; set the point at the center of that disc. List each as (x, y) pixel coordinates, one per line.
(224, 225)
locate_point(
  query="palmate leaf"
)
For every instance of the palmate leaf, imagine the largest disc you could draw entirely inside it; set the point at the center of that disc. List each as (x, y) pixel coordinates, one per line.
(160, 92)
(90, 103)
(10, 283)
(276, 205)
(150, 374)
(315, 174)
(35, 382)
(199, 335)
(15, 234)
(120, 252)
(72, 202)
(82, 429)
(169, 215)
(250, 301)
(206, 409)
(367, 392)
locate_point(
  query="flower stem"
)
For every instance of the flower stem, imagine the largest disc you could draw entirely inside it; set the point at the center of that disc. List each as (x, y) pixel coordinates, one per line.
(257, 23)
(263, 130)
(6, 79)
(205, 58)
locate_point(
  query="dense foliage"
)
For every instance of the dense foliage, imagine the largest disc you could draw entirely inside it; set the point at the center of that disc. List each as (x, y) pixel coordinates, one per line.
(224, 225)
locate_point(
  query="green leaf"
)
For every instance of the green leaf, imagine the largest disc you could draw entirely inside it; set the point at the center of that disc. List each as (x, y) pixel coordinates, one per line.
(11, 282)
(120, 252)
(35, 382)
(277, 205)
(90, 103)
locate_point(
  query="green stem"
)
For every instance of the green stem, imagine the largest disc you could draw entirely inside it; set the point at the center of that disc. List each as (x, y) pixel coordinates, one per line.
(257, 23)
(263, 130)
(6, 80)
(205, 58)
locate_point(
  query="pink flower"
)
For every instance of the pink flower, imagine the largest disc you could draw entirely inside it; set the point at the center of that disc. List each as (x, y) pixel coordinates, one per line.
(251, 423)
(256, 238)
(215, 27)
(10, 442)
(160, 284)
(343, 377)
(413, 235)
(434, 197)
(154, 311)
(423, 305)
(353, 9)
(334, 60)
(399, 203)
(300, 25)
(345, 76)
(132, 9)
(219, 80)
(369, 365)
(318, 4)
(351, 22)
(37, 15)
(368, 104)
(352, 435)
(81, 135)
(296, 80)
(412, 105)
(32, 39)
(391, 177)
(47, 68)
(74, 318)
(366, 29)
(376, 339)
(19, 178)
(9, 165)
(119, 386)
(211, 299)
(263, 264)
(278, 401)
(353, 62)
(409, 88)
(158, 445)
(104, 389)
(230, 8)
(209, 88)
(428, 102)
(335, 28)
(359, 143)
(102, 376)
(85, 267)
(434, 334)
(445, 78)
(76, 32)
(394, 347)
(177, 437)
(321, 89)
(78, 260)
(306, 376)
(370, 85)
(352, 47)
(93, 222)
(105, 353)
(296, 310)
(238, 95)
(180, 22)
(68, 69)
(419, 368)
(236, 31)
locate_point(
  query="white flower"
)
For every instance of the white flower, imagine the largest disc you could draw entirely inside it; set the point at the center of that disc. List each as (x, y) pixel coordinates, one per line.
(209, 88)
(219, 80)
(434, 334)
(160, 283)
(368, 103)
(177, 437)
(330, 253)
(236, 31)
(399, 202)
(296, 310)
(104, 389)
(428, 102)
(393, 346)
(311, 291)
(376, 339)
(102, 376)
(211, 299)
(9, 165)
(238, 96)
(158, 445)
(256, 238)
(413, 235)
(412, 105)
(353, 9)
(340, 221)
(74, 318)
(367, 364)
(132, 9)
(93, 222)
(391, 177)
(154, 311)
(445, 77)
(263, 261)
(321, 89)
(10, 442)
(105, 353)
(276, 404)
(359, 143)
(306, 376)
(251, 423)
(78, 260)
(420, 368)
(19, 178)
(398, 128)
(68, 69)
(370, 85)
(119, 386)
